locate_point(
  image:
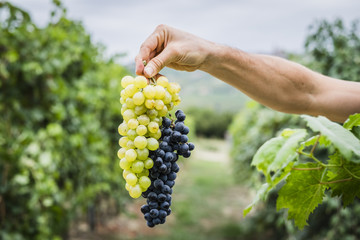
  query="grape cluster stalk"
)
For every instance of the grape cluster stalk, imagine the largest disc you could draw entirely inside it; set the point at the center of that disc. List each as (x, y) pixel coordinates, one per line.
(151, 143)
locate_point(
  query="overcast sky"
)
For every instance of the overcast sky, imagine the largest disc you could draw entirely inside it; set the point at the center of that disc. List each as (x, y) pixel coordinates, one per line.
(254, 26)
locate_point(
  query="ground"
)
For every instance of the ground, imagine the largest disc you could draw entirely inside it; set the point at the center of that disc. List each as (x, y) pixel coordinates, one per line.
(206, 200)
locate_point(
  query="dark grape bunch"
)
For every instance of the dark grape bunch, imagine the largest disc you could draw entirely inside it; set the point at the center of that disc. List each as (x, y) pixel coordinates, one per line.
(173, 143)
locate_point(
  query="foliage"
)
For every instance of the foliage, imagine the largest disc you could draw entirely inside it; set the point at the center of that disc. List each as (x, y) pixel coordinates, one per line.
(209, 123)
(335, 49)
(250, 129)
(281, 158)
(59, 113)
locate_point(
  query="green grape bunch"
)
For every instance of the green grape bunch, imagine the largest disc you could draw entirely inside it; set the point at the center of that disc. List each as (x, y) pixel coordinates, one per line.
(144, 104)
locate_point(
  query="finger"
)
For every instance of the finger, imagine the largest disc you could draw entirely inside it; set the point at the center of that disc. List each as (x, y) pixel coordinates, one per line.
(159, 62)
(149, 49)
(139, 65)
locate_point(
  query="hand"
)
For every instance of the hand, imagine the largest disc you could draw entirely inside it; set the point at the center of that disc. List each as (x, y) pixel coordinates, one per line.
(173, 48)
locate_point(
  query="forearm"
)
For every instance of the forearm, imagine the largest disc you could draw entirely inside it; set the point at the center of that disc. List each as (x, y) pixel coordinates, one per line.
(283, 85)
(275, 82)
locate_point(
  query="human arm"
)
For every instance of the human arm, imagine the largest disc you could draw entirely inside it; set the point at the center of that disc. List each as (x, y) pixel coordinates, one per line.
(275, 82)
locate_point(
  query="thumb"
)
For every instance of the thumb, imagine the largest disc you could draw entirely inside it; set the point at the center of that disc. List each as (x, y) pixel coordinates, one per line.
(157, 63)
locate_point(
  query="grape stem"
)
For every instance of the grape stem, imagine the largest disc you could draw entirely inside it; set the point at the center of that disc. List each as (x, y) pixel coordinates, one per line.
(336, 181)
(323, 165)
(152, 79)
(316, 143)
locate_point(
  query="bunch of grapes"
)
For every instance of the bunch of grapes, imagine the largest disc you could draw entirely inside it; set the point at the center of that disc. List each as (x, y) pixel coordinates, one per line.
(151, 142)
(143, 106)
(173, 142)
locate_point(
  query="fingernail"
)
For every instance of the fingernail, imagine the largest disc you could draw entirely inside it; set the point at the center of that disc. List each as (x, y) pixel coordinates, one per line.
(149, 71)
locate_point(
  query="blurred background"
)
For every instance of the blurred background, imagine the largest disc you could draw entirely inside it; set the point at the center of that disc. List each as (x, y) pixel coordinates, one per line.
(61, 63)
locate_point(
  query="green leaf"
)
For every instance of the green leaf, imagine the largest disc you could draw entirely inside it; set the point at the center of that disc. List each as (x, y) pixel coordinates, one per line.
(342, 138)
(266, 154)
(260, 195)
(322, 140)
(352, 121)
(287, 152)
(347, 190)
(302, 193)
(276, 153)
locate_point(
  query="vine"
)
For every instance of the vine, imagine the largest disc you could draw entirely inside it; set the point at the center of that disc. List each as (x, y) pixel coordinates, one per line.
(285, 159)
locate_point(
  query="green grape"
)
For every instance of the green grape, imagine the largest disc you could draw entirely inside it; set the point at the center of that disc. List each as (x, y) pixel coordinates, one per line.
(130, 103)
(173, 88)
(137, 166)
(140, 82)
(170, 106)
(149, 163)
(130, 155)
(127, 80)
(131, 179)
(122, 100)
(144, 182)
(167, 98)
(152, 144)
(149, 92)
(159, 104)
(149, 103)
(139, 98)
(125, 173)
(123, 94)
(129, 114)
(123, 141)
(130, 90)
(127, 187)
(162, 81)
(124, 164)
(163, 111)
(133, 123)
(142, 154)
(159, 92)
(143, 120)
(152, 113)
(176, 99)
(130, 144)
(153, 127)
(141, 130)
(123, 109)
(121, 153)
(145, 172)
(139, 110)
(135, 191)
(158, 120)
(156, 135)
(123, 128)
(131, 134)
(140, 142)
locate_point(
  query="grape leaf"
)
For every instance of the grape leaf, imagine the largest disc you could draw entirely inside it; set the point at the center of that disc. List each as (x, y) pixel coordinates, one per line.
(352, 121)
(302, 193)
(267, 153)
(322, 141)
(342, 138)
(279, 151)
(347, 190)
(260, 195)
(287, 152)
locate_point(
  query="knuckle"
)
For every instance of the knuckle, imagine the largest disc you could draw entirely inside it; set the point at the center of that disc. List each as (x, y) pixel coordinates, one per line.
(161, 27)
(158, 63)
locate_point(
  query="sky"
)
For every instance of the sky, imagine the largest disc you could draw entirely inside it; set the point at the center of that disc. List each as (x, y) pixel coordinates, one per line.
(250, 25)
